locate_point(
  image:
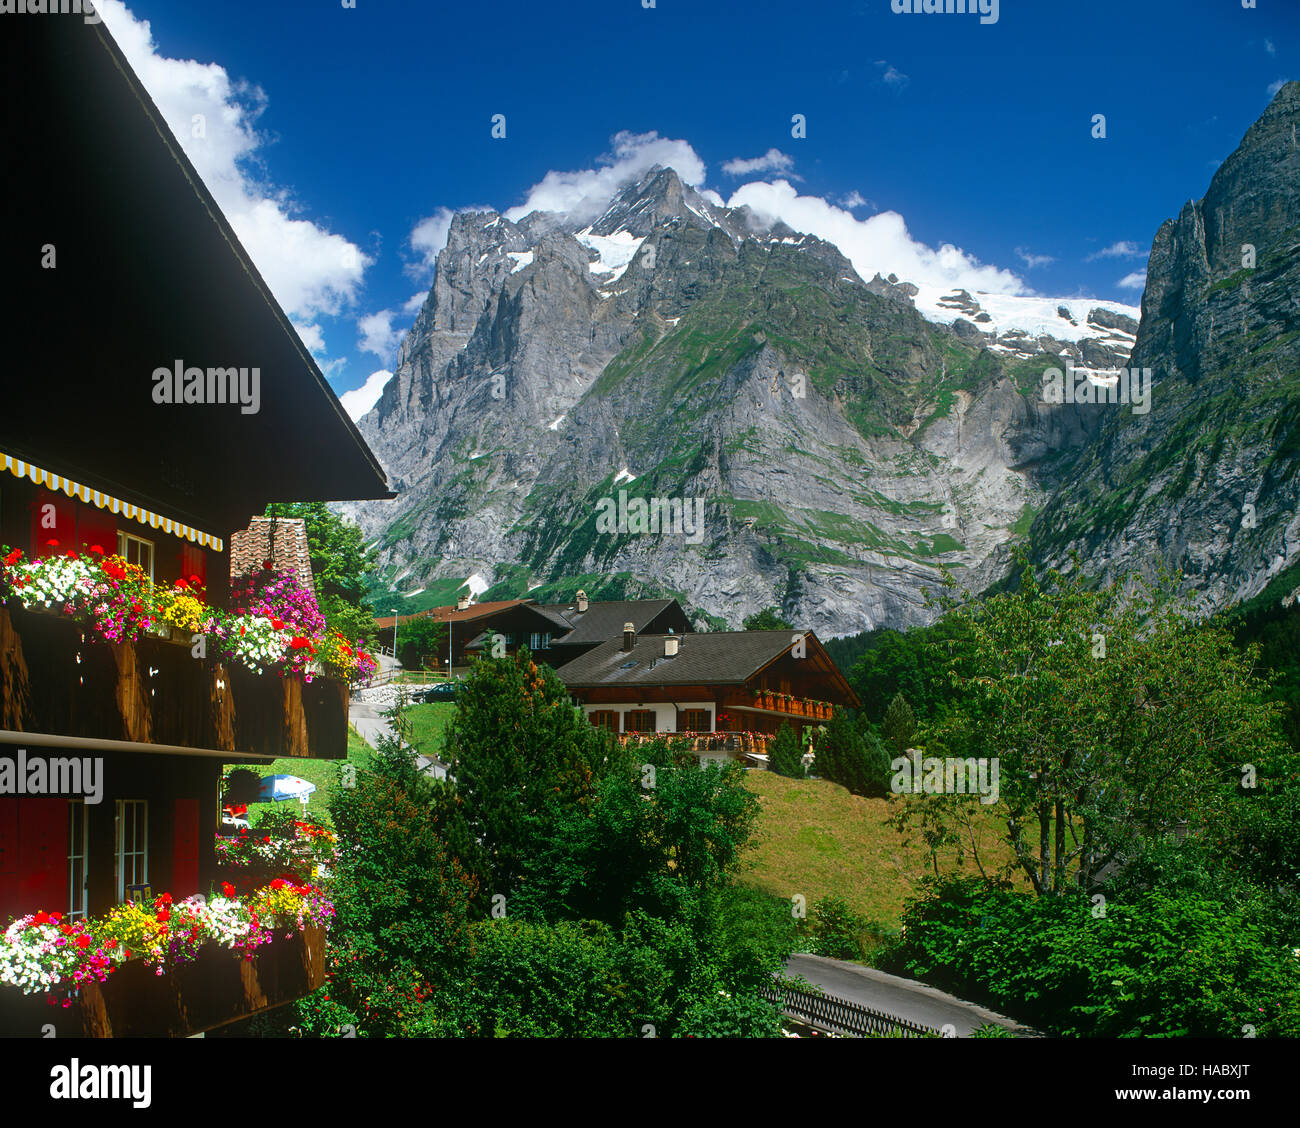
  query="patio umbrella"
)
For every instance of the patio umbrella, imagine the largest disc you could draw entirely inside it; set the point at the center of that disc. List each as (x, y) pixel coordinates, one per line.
(278, 787)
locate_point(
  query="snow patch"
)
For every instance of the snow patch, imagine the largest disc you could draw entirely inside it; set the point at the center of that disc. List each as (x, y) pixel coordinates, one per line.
(522, 259)
(555, 426)
(624, 475)
(477, 585)
(1035, 316)
(615, 252)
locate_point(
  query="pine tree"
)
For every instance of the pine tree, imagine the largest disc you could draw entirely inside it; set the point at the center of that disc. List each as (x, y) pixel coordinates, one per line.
(786, 753)
(899, 725)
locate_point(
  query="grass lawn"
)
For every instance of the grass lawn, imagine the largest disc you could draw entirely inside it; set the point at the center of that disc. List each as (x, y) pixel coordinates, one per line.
(425, 724)
(323, 773)
(815, 838)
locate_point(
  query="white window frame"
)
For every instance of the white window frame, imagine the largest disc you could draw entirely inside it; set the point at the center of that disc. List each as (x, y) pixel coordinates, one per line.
(124, 541)
(121, 854)
(78, 820)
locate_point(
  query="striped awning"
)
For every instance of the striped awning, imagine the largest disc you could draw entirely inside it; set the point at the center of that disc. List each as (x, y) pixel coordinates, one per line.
(20, 469)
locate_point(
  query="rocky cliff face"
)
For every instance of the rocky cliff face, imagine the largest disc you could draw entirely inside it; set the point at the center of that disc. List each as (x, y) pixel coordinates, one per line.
(842, 446)
(1207, 480)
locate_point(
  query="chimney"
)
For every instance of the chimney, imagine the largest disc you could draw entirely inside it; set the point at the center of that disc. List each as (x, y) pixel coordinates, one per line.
(629, 637)
(670, 646)
(462, 603)
(582, 601)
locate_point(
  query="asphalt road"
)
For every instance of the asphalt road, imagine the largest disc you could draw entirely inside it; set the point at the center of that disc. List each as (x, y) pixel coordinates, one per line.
(903, 998)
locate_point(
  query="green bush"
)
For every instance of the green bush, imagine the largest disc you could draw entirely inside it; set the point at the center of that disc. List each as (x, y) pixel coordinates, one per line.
(1155, 964)
(786, 753)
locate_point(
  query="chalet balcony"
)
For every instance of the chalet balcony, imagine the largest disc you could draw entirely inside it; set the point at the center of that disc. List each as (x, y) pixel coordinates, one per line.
(217, 987)
(58, 679)
(737, 743)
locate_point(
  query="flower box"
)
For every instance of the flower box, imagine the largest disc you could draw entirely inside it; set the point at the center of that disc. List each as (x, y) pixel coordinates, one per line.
(217, 987)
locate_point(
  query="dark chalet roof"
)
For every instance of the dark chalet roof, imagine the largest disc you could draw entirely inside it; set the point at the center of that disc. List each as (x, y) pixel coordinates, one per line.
(603, 621)
(708, 658)
(148, 272)
(471, 614)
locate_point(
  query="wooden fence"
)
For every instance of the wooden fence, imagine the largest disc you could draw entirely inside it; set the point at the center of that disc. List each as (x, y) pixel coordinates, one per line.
(833, 1013)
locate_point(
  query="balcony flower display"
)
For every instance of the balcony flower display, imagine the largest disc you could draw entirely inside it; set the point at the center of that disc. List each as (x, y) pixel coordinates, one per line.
(42, 953)
(277, 595)
(310, 853)
(275, 623)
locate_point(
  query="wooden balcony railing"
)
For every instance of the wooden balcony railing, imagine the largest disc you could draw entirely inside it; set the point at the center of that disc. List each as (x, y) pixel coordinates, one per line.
(57, 678)
(217, 987)
(739, 743)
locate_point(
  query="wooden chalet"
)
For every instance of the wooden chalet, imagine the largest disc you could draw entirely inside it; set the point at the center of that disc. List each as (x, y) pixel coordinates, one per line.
(727, 692)
(119, 262)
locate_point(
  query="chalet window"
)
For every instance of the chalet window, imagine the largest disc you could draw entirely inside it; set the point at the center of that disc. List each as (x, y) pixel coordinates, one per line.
(78, 859)
(136, 550)
(639, 720)
(538, 641)
(604, 718)
(695, 720)
(131, 856)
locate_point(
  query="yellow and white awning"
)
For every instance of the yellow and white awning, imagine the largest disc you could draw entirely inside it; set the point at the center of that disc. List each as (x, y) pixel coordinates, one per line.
(20, 469)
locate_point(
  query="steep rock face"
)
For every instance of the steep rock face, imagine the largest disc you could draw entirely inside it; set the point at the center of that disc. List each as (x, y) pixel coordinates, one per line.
(843, 447)
(1206, 481)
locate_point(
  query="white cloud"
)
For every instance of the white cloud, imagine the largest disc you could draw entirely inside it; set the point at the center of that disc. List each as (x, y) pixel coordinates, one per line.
(891, 76)
(856, 199)
(772, 161)
(310, 270)
(1269, 47)
(1135, 281)
(712, 196)
(378, 335)
(585, 193)
(311, 336)
(1032, 260)
(360, 400)
(878, 244)
(1274, 87)
(1125, 248)
(414, 303)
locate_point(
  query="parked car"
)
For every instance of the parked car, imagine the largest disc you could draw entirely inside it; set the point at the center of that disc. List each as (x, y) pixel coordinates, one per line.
(445, 691)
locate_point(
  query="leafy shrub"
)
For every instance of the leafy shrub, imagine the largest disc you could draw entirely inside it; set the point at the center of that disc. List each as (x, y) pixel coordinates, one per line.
(1154, 964)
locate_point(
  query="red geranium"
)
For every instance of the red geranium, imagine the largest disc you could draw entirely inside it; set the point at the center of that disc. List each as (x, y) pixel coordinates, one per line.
(51, 544)
(227, 889)
(164, 916)
(266, 564)
(97, 549)
(14, 557)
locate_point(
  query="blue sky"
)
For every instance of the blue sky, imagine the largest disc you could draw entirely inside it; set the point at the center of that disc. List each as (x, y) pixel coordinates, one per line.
(338, 140)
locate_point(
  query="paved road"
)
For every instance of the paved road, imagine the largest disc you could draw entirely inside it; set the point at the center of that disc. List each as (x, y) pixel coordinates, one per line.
(367, 721)
(371, 725)
(903, 998)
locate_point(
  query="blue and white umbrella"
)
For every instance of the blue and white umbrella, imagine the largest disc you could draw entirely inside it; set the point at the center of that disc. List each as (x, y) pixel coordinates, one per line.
(279, 787)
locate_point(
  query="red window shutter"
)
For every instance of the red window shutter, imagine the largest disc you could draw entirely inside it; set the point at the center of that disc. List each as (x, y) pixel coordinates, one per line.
(53, 518)
(96, 526)
(8, 860)
(43, 855)
(194, 562)
(185, 848)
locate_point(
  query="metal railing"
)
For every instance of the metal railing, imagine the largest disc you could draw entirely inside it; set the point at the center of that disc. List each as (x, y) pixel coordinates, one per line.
(833, 1013)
